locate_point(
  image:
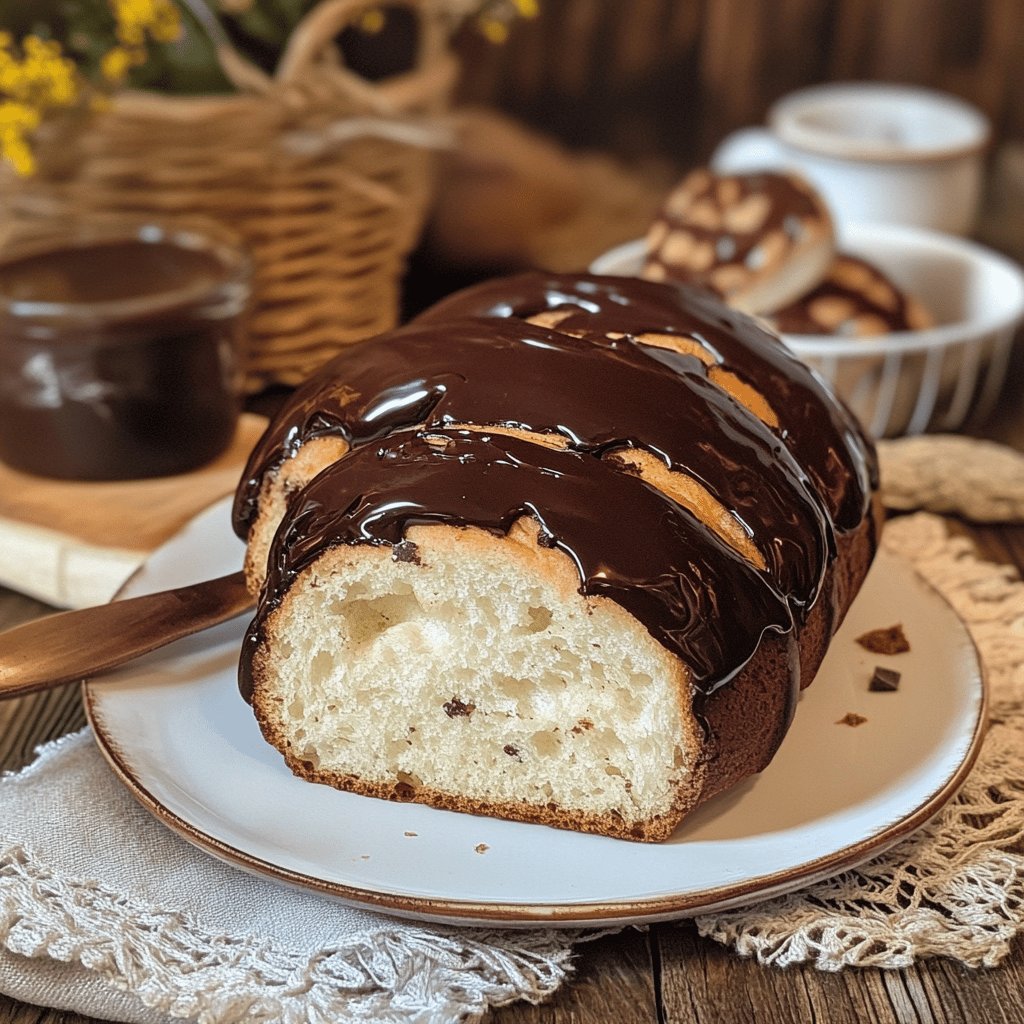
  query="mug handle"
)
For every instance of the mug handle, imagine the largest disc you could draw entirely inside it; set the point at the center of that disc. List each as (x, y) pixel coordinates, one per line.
(749, 149)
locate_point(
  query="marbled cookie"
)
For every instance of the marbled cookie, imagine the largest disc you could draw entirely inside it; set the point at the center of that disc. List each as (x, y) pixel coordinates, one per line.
(759, 240)
(855, 300)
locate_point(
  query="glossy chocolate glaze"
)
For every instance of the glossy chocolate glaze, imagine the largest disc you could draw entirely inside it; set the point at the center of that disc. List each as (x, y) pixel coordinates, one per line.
(630, 542)
(821, 433)
(452, 367)
(600, 395)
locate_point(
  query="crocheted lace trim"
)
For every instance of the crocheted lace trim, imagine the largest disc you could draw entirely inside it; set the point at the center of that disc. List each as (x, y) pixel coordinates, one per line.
(956, 887)
(404, 974)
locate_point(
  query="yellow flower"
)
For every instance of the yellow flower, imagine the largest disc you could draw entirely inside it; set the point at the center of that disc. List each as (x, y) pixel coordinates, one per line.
(493, 30)
(36, 77)
(17, 122)
(32, 82)
(41, 77)
(138, 18)
(372, 21)
(115, 64)
(494, 21)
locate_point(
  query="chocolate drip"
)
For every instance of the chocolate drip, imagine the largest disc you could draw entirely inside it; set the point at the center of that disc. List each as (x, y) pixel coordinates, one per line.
(599, 394)
(820, 432)
(629, 542)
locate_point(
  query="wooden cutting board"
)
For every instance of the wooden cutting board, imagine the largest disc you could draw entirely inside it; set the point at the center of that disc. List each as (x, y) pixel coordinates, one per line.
(73, 544)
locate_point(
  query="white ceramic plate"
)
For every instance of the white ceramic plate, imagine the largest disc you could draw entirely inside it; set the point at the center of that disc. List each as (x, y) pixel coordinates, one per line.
(175, 729)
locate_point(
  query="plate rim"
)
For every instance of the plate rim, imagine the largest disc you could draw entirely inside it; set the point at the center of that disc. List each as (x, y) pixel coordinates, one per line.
(568, 914)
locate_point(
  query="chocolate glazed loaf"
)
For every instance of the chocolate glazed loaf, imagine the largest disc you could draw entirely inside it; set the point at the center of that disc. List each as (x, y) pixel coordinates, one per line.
(563, 550)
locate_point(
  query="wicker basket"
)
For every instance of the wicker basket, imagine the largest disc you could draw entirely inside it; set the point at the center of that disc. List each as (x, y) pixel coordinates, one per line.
(325, 176)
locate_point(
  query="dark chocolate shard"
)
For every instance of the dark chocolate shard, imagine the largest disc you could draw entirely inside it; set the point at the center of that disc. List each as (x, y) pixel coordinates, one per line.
(455, 708)
(884, 680)
(406, 551)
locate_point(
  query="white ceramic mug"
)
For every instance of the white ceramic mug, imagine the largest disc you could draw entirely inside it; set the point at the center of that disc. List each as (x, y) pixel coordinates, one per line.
(877, 152)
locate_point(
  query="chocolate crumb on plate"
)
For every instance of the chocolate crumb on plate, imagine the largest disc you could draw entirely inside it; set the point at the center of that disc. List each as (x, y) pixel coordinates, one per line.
(481, 847)
(851, 718)
(884, 680)
(890, 640)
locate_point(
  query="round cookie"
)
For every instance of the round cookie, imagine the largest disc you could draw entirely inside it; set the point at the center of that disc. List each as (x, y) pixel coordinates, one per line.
(855, 300)
(759, 241)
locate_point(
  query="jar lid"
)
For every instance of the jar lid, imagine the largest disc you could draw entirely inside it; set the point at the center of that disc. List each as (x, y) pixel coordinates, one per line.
(121, 274)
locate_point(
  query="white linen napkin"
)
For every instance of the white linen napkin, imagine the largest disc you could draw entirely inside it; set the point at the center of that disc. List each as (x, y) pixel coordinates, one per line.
(106, 912)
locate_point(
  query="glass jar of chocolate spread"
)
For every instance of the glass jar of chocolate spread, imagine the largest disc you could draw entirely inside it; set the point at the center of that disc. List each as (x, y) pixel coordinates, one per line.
(118, 349)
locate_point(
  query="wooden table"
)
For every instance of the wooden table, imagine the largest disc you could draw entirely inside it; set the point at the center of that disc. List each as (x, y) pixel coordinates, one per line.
(669, 975)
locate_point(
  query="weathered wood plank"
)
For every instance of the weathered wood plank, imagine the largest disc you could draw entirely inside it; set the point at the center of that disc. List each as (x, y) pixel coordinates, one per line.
(613, 984)
(20, 1013)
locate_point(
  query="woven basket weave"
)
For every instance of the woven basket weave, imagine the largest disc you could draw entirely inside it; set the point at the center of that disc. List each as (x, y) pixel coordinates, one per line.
(323, 174)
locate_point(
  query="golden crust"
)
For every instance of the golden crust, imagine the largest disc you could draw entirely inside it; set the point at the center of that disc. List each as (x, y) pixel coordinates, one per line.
(276, 489)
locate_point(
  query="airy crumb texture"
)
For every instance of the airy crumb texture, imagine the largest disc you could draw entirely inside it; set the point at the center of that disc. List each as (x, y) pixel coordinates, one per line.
(890, 640)
(476, 677)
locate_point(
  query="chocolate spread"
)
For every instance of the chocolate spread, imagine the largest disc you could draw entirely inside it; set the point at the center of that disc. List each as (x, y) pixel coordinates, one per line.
(115, 359)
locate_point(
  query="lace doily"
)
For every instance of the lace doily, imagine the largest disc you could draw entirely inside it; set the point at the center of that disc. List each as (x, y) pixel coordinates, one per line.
(956, 887)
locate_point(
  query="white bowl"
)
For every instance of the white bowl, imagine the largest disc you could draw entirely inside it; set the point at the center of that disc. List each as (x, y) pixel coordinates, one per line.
(911, 381)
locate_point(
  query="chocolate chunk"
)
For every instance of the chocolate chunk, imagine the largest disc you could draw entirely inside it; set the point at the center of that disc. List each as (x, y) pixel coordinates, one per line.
(852, 718)
(885, 680)
(512, 751)
(885, 641)
(455, 708)
(406, 551)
